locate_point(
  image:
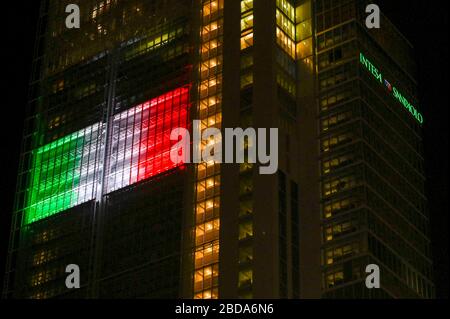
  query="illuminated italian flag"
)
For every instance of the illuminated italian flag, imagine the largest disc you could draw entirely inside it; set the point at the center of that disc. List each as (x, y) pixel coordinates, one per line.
(67, 172)
(62, 174)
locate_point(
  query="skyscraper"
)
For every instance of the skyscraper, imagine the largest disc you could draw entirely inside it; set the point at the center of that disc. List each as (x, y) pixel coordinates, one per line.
(373, 208)
(97, 188)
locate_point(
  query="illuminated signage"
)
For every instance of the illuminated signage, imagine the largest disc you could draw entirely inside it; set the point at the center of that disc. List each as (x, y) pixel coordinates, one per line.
(392, 89)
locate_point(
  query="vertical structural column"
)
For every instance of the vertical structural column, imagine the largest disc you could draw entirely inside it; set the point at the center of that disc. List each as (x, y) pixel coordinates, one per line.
(265, 115)
(309, 194)
(207, 174)
(230, 172)
(97, 237)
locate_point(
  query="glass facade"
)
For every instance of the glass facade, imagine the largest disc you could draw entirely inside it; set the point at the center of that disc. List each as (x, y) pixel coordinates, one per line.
(370, 157)
(65, 173)
(95, 160)
(97, 187)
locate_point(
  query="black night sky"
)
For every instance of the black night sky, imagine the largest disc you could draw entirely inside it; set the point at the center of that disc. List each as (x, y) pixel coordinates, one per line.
(423, 22)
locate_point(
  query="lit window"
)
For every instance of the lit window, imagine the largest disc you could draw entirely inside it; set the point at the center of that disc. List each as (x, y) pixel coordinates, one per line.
(245, 278)
(247, 41)
(246, 5)
(246, 79)
(212, 7)
(304, 48)
(247, 22)
(285, 43)
(245, 229)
